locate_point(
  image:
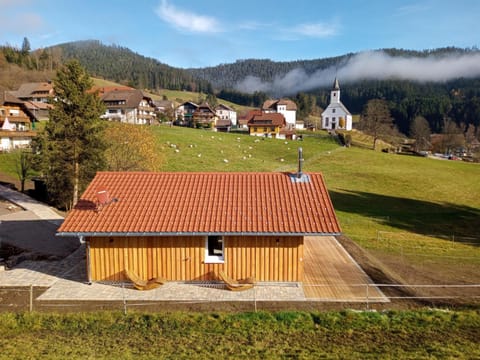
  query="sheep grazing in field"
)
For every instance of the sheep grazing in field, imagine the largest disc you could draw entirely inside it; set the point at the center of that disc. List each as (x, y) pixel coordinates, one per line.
(225, 161)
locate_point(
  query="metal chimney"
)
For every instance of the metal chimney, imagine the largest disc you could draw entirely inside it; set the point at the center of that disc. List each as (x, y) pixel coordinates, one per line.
(300, 163)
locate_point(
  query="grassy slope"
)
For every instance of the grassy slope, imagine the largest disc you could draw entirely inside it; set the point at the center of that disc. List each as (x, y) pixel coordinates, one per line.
(395, 192)
(298, 335)
(416, 204)
(371, 191)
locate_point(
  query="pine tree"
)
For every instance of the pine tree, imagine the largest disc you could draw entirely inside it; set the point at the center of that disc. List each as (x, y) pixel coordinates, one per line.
(72, 146)
(25, 47)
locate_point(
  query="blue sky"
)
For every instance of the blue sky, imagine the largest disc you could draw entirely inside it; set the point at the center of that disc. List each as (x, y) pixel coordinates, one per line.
(187, 33)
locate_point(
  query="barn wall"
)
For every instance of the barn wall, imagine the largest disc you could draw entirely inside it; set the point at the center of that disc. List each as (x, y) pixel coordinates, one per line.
(182, 258)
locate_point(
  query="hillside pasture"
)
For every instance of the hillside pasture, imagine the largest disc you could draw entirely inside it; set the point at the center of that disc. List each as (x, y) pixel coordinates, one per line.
(418, 215)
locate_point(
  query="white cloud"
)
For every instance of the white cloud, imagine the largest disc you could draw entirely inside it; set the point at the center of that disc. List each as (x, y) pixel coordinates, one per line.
(318, 30)
(187, 20)
(408, 10)
(370, 65)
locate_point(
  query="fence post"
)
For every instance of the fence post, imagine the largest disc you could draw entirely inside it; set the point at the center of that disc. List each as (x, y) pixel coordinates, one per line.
(31, 298)
(124, 300)
(368, 300)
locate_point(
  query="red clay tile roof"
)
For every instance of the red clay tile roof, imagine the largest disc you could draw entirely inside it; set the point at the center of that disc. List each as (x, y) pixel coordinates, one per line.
(203, 203)
(267, 119)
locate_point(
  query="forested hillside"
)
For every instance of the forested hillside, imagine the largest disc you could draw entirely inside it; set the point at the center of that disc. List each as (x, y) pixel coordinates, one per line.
(122, 65)
(455, 99)
(438, 101)
(227, 76)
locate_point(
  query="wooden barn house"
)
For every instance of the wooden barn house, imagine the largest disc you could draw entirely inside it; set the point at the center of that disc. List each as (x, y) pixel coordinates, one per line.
(190, 226)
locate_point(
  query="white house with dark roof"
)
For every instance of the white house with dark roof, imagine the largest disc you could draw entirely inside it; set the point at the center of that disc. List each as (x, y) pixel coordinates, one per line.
(336, 116)
(225, 112)
(285, 107)
(129, 106)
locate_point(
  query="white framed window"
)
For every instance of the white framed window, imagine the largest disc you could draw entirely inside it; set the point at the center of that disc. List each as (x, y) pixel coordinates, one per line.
(214, 249)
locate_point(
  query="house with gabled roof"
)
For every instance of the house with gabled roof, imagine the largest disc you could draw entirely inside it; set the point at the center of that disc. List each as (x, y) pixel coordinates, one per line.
(184, 113)
(190, 226)
(35, 92)
(204, 116)
(129, 106)
(225, 112)
(336, 115)
(266, 124)
(16, 122)
(286, 107)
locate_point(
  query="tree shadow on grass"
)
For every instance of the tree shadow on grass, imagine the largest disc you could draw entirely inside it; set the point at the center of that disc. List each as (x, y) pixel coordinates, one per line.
(418, 216)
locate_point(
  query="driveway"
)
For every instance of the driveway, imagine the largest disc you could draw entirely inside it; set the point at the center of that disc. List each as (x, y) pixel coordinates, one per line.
(31, 226)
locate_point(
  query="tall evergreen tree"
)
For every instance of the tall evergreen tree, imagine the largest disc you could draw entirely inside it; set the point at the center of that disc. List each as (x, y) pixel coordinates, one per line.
(25, 46)
(72, 148)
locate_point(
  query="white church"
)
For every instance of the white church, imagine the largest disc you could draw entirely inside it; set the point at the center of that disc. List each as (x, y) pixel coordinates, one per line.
(336, 116)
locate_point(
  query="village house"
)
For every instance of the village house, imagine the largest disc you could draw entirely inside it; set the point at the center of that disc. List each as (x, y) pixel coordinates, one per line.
(129, 106)
(245, 116)
(204, 117)
(184, 112)
(336, 116)
(285, 107)
(164, 106)
(36, 96)
(15, 123)
(225, 112)
(35, 92)
(188, 227)
(266, 125)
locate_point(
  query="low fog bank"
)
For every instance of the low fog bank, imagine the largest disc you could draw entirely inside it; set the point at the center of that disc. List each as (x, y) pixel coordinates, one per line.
(374, 65)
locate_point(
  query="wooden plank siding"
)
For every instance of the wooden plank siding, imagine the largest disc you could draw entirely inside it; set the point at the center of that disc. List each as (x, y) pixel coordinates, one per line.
(179, 258)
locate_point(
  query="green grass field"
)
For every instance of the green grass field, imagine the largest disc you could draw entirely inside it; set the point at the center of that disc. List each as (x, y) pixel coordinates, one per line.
(409, 211)
(261, 335)
(392, 205)
(371, 191)
(391, 192)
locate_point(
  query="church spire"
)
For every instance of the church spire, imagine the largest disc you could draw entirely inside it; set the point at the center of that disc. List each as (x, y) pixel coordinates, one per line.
(336, 86)
(335, 93)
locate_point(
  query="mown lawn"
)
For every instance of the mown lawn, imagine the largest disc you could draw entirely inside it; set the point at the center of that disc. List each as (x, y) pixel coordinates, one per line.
(261, 335)
(389, 203)
(387, 191)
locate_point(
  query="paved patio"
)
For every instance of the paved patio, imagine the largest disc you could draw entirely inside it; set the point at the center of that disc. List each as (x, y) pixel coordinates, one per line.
(65, 280)
(331, 275)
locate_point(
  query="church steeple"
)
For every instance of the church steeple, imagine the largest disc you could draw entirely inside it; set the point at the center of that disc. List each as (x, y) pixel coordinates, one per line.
(335, 93)
(336, 86)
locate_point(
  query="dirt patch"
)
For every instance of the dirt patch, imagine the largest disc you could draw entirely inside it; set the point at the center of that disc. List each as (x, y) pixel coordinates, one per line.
(379, 265)
(7, 207)
(14, 183)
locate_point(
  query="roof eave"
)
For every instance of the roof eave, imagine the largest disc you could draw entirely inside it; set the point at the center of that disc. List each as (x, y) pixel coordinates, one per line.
(125, 234)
